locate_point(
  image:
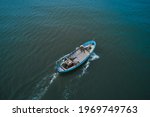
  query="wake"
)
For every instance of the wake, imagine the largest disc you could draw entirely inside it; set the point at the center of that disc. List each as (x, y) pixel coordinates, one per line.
(70, 89)
(42, 87)
(93, 57)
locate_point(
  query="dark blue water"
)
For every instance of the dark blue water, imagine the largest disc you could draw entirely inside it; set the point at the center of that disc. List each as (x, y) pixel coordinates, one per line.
(34, 34)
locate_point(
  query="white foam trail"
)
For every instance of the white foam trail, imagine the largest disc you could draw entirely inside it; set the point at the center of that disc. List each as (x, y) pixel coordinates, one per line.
(93, 57)
(70, 90)
(54, 76)
(41, 88)
(84, 69)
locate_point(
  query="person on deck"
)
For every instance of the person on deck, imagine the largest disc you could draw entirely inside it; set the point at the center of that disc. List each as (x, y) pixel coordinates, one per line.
(82, 48)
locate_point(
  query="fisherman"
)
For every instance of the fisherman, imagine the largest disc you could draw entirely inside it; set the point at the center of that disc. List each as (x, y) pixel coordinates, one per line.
(69, 62)
(82, 48)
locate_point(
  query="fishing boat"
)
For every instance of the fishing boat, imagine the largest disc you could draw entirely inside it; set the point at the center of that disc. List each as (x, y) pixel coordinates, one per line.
(76, 58)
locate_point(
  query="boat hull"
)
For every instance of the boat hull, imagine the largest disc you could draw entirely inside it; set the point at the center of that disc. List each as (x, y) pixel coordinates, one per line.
(61, 70)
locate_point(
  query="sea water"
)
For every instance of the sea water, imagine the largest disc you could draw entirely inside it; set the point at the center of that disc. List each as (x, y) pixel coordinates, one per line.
(34, 34)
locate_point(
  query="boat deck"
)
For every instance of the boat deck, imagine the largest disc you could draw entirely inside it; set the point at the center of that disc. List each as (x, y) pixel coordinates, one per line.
(79, 56)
